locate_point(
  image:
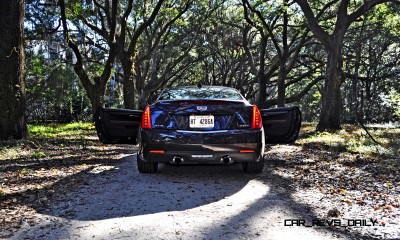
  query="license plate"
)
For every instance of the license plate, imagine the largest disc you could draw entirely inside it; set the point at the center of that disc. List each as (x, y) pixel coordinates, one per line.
(201, 121)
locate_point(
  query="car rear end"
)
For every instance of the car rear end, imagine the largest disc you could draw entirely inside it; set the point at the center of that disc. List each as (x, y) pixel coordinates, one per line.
(201, 125)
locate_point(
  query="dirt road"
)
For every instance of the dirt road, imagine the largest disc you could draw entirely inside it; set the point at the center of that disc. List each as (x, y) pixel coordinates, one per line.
(185, 202)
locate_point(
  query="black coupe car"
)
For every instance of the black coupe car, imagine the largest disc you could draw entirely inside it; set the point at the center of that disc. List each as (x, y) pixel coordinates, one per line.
(199, 124)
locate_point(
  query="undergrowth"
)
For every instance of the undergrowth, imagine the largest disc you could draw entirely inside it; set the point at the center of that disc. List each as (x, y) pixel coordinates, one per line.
(353, 139)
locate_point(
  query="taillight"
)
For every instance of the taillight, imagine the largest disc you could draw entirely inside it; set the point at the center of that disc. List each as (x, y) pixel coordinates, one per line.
(256, 120)
(247, 151)
(146, 118)
(157, 151)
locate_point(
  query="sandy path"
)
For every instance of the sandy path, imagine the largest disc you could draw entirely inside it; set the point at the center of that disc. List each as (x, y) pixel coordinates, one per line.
(186, 202)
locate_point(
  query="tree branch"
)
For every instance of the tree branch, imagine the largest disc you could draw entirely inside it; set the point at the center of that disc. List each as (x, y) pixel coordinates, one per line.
(297, 97)
(143, 26)
(312, 21)
(368, 5)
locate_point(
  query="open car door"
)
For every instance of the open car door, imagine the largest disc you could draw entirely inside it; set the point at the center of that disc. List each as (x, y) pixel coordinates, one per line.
(281, 125)
(117, 126)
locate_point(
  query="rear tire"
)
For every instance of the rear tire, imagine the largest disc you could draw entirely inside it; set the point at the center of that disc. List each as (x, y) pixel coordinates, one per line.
(253, 167)
(146, 167)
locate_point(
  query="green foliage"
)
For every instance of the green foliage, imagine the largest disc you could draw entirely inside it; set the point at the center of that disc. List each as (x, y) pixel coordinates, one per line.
(388, 17)
(59, 130)
(353, 139)
(75, 9)
(95, 70)
(74, 134)
(394, 103)
(53, 91)
(38, 67)
(310, 105)
(213, 43)
(39, 154)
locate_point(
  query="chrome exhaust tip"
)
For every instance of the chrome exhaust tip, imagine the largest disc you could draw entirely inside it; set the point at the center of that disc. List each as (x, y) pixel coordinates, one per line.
(226, 160)
(177, 160)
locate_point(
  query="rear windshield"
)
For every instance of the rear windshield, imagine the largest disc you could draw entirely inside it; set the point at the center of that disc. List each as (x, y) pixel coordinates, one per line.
(201, 93)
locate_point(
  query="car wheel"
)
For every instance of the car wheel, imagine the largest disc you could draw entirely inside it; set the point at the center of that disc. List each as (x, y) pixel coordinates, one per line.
(146, 167)
(253, 167)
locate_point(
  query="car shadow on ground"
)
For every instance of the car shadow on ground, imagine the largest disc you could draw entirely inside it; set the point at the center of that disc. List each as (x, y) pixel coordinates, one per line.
(124, 192)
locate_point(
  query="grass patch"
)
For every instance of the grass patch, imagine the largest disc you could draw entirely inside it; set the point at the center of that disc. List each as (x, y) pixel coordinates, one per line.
(42, 135)
(53, 160)
(55, 130)
(352, 139)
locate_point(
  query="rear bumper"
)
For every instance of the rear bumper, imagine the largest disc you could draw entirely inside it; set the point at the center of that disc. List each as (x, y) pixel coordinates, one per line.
(201, 147)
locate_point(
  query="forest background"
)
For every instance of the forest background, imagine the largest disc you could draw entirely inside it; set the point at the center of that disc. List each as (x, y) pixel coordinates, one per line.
(337, 60)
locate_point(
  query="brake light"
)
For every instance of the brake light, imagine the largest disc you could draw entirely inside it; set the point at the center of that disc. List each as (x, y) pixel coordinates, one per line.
(256, 121)
(157, 151)
(146, 118)
(247, 151)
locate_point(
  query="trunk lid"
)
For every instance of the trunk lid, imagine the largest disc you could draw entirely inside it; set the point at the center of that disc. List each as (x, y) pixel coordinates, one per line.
(224, 115)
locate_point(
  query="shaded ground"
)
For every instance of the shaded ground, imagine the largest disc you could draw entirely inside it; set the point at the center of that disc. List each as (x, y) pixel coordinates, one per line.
(52, 162)
(187, 202)
(342, 186)
(67, 185)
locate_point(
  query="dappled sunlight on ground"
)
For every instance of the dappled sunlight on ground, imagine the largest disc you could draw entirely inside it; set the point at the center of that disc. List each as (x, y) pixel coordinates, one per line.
(34, 170)
(61, 187)
(352, 139)
(357, 186)
(187, 202)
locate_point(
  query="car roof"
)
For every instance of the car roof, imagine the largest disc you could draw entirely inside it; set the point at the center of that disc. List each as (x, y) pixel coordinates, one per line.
(202, 86)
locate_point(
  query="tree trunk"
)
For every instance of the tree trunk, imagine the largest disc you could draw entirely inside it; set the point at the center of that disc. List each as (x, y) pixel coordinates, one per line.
(354, 100)
(367, 99)
(128, 85)
(262, 97)
(331, 107)
(333, 43)
(97, 101)
(263, 91)
(96, 96)
(281, 83)
(129, 92)
(143, 97)
(283, 59)
(95, 89)
(354, 82)
(12, 70)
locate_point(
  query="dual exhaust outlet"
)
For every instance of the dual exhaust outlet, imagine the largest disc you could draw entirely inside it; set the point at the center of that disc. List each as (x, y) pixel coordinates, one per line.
(225, 160)
(177, 160)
